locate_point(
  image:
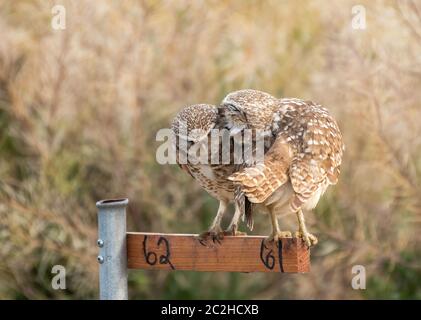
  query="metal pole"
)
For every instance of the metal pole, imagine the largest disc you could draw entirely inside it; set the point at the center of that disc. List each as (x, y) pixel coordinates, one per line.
(112, 256)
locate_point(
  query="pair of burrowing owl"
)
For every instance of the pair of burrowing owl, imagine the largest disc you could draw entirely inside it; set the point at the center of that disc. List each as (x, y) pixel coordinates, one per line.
(302, 148)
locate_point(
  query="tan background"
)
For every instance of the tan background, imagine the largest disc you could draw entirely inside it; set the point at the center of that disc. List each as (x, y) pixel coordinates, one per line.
(79, 110)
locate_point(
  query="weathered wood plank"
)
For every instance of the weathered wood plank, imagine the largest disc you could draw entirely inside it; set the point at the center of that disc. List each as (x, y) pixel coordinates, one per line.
(234, 254)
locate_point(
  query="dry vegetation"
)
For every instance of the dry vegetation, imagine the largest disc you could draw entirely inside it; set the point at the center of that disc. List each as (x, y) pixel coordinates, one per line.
(79, 110)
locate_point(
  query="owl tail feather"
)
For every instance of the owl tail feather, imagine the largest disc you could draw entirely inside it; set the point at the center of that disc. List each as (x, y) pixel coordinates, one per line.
(248, 213)
(246, 207)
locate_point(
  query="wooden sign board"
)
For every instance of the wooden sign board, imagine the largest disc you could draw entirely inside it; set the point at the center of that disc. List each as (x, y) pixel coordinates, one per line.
(157, 251)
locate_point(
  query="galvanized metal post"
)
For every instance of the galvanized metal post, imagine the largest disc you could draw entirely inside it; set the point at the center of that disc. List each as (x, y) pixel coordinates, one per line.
(112, 256)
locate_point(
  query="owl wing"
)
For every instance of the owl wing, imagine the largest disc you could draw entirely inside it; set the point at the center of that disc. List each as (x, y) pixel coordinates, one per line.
(176, 148)
(318, 159)
(258, 182)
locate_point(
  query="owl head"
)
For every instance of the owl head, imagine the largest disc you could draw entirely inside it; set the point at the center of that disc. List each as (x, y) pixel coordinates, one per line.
(194, 123)
(247, 109)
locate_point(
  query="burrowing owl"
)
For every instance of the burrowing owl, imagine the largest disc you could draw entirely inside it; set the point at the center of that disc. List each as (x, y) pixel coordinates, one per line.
(303, 159)
(193, 138)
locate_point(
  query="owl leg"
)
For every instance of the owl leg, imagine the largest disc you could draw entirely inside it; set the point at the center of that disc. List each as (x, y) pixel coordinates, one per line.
(276, 233)
(309, 239)
(215, 231)
(232, 229)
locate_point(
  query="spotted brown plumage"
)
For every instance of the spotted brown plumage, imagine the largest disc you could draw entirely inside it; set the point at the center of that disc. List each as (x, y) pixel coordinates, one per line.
(316, 144)
(303, 157)
(192, 127)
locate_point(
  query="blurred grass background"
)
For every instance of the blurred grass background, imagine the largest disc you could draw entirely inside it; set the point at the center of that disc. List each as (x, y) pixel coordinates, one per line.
(79, 110)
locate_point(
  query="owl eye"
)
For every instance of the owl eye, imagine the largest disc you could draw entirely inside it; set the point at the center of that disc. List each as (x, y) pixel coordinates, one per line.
(234, 108)
(241, 114)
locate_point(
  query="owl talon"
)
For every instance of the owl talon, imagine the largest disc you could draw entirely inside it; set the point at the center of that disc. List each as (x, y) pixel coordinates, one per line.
(309, 239)
(214, 235)
(275, 237)
(216, 239)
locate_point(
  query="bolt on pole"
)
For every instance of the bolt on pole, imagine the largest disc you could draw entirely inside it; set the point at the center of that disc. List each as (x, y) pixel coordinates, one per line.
(112, 256)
